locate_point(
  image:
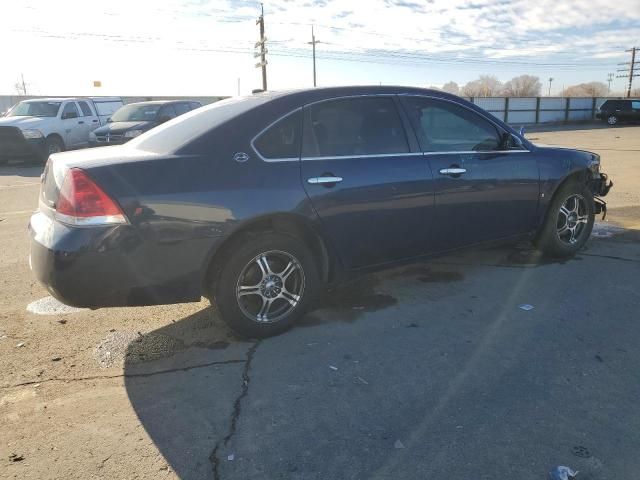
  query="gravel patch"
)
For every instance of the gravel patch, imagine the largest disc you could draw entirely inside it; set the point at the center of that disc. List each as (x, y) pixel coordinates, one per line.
(134, 347)
(51, 306)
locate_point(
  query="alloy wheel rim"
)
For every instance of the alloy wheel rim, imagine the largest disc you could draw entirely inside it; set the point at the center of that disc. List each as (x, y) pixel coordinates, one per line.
(270, 286)
(612, 120)
(54, 149)
(572, 219)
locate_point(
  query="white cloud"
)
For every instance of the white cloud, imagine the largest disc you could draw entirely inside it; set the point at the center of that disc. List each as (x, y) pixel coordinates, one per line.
(176, 45)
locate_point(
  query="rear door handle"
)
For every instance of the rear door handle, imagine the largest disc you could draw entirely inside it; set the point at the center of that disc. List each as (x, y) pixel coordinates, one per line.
(80, 122)
(321, 180)
(453, 171)
(94, 121)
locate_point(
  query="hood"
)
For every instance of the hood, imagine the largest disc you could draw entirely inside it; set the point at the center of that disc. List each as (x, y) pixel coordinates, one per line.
(121, 127)
(23, 122)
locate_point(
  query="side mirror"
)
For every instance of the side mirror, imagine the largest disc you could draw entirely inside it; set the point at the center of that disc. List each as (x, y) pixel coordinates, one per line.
(68, 115)
(164, 118)
(506, 141)
(109, 120)
(521, 131)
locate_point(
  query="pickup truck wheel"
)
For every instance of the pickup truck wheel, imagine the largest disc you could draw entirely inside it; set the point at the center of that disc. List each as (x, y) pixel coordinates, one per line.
(53, 145)
(569, 221)
(612, 120)
(266, 285)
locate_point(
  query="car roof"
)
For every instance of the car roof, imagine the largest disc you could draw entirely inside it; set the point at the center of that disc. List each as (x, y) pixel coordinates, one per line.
(73, 99)
(160, 102)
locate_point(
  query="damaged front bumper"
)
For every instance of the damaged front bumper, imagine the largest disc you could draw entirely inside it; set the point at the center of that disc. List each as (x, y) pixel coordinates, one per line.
(600, 186)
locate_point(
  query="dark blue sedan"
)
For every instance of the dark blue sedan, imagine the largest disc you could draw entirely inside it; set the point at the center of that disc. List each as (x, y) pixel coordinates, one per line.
(257, 202)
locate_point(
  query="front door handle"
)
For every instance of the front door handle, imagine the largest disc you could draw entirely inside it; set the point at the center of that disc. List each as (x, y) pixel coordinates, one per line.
(323, 180)
(453, 171)
(80, 122)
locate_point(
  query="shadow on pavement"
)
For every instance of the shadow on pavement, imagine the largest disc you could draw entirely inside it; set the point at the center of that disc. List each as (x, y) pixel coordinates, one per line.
(21, 170)
(477, 385)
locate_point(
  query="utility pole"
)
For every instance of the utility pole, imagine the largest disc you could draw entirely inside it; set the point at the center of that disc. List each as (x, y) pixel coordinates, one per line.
(550, 80)
(632, 69)
(609, 80)
(263, 51)
(313, 42)
(24, 85)
(238, 86)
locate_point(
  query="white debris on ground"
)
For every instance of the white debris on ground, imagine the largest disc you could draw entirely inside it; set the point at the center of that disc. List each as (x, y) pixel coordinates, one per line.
(51, 306)
(134, 347)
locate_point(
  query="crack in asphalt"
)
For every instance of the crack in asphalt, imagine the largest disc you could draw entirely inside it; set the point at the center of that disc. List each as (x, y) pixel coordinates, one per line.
(235, 414)
(123, 375)
(611, 257)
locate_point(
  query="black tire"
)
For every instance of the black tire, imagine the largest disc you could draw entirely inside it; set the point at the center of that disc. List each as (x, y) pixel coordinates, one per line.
(243, 267)
(556, 237)
(612, 120)
(52, 145)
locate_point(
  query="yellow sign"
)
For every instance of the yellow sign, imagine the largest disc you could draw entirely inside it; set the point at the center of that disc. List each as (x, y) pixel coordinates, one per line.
(97, 83)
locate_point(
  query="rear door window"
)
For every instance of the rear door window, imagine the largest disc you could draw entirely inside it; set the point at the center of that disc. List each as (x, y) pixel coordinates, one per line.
(86, 109)
(635, 105)
(282, 139)
(354, 127)
(447, 127)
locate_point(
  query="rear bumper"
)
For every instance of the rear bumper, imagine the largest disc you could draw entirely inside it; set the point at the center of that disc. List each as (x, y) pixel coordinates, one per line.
(95, 267)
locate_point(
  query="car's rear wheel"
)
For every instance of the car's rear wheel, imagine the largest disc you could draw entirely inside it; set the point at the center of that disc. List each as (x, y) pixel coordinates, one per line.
(612, 120)
(569, 221)
(266, 285)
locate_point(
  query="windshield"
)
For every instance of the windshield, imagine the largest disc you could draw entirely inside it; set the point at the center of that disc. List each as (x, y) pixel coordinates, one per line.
(35, 109)
(136, 113)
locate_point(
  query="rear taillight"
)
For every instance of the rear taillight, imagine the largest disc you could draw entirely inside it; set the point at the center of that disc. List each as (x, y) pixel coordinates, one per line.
(82, 202)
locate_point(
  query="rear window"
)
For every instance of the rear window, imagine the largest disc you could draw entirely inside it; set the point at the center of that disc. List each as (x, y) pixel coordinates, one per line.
(282, 139)
(107, 108)
(176, 133)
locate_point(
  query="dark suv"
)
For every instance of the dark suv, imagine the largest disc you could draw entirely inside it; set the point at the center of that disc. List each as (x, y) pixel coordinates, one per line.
(615, 111)
(136, 118)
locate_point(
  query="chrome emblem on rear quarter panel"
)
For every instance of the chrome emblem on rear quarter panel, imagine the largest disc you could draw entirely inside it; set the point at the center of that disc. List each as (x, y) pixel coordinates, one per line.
(241, 157)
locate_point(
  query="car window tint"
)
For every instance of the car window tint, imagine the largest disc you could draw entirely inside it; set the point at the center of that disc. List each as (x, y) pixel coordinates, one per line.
(70, 108)
(86, 110)
(281, 140)
(167, 111)
(194, 105)
(354, 126)
(181, 108)
(447, 127)
(635, 105)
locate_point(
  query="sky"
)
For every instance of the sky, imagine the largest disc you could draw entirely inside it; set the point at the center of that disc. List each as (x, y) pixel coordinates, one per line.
(206, 47)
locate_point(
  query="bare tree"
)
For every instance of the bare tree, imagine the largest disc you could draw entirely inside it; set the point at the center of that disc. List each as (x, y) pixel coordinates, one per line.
(523, 86)
(433, 87)
(21, 86)
(591, 89)
(484, 86)
(451, 87)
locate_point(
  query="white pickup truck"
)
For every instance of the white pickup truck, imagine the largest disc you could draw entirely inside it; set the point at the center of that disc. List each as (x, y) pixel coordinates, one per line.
(39, 127)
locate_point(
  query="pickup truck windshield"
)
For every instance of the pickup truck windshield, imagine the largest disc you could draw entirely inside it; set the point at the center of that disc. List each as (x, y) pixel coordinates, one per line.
(35, 109)
(136, 113)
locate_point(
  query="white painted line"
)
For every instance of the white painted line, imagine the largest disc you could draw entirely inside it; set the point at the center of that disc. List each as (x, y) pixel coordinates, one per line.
(18, 185)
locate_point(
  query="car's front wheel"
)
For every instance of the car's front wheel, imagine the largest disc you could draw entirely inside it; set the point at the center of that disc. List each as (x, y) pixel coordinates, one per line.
(612, 120)
(266, 284)
(569, 221)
